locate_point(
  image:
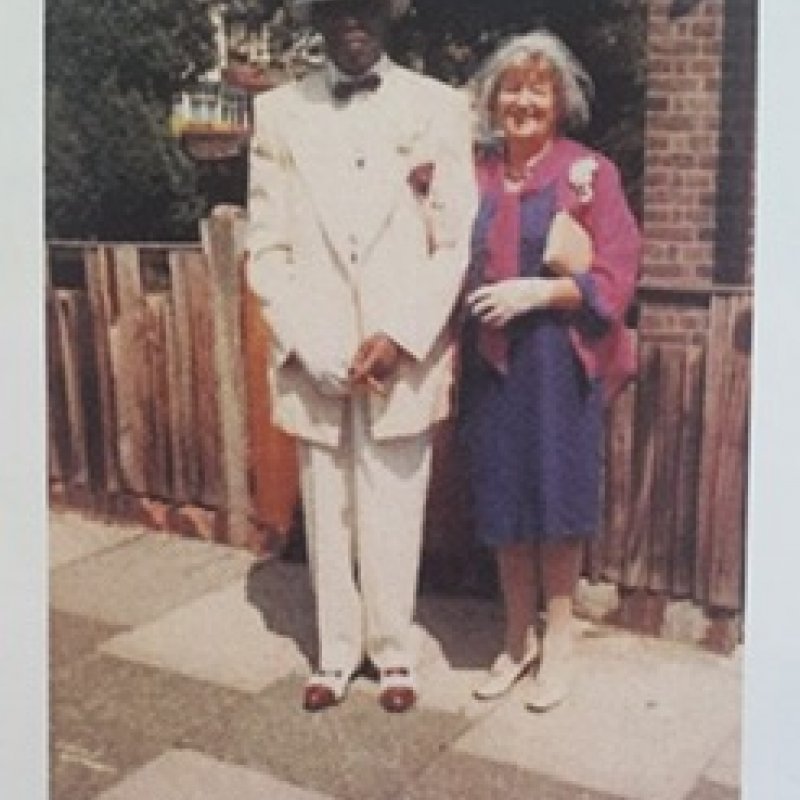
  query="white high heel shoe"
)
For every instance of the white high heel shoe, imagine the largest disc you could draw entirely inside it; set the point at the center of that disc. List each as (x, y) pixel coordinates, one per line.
(505, 671)
(553, 683)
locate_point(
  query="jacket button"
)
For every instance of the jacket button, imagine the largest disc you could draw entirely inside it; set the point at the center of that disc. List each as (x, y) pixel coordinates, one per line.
(360, 163)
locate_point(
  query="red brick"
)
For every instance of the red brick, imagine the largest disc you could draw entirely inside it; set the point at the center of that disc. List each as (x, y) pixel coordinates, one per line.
(657, 142)
(706, 28)
(669, 232)
(700, 216)
(670, 85)
(658, 103)
(704, 66)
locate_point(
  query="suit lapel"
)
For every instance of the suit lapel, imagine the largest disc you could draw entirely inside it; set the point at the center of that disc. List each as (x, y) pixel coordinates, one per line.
(322, 154)
(319, 155)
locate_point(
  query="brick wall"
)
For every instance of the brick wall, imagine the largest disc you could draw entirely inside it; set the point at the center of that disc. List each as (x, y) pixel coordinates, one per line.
(699, 157)
(682, 142)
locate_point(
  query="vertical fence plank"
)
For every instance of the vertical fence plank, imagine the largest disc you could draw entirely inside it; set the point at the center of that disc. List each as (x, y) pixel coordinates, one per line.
(618, 481)
(206, 430)
(185, 450)
(219, 236)
(129, 358)
(60, 456)
(723, 458)
(666, 423)
(99, 292)
(644, 462)
(683, 544)
(709, 456)
(159, 459)
(65, 307)
(174, 368)
(86, 365)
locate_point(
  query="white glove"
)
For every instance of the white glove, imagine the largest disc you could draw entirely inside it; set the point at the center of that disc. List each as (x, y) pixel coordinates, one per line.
(327, 369)
(498, 303)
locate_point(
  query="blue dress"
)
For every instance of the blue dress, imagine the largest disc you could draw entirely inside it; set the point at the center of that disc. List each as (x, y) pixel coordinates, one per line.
(533, 435)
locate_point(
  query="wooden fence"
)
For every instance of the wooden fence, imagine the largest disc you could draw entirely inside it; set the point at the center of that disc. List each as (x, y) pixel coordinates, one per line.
(158, 400)
(150, 414)
(676, 455)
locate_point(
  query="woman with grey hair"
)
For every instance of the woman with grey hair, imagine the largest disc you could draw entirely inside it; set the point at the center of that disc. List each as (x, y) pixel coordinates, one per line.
(553, 266)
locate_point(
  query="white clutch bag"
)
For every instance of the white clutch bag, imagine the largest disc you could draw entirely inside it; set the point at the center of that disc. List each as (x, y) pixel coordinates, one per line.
(568, 249)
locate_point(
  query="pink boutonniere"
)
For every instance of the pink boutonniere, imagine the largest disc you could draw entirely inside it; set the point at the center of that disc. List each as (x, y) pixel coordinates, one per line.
(420, 179)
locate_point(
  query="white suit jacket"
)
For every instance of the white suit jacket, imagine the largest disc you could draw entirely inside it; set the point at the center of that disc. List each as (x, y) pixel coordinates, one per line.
(326, 273)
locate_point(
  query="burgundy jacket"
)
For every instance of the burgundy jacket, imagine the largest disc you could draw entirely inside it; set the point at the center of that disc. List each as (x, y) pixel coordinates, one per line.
(594, 198)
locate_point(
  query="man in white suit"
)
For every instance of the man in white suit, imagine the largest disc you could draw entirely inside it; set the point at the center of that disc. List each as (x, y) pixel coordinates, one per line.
(361, 202)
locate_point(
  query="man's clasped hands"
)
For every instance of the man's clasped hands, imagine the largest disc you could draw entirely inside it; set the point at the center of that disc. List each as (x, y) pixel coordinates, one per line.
(374, 361)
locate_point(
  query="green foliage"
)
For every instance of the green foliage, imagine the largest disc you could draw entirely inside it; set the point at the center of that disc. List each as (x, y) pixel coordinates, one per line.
(112, 67)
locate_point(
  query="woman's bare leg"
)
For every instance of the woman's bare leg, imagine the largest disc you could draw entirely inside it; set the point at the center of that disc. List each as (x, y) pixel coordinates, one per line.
(518, 581)
(517, 569)
(560, 570)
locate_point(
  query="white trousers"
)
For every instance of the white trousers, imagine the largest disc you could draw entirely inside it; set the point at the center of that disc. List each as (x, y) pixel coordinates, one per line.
(364, 504)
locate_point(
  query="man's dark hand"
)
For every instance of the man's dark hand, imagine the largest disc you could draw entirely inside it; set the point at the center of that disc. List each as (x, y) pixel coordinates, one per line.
(375, 360)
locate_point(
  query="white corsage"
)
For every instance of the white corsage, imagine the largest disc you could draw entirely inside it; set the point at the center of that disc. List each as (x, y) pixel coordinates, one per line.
(581, 177)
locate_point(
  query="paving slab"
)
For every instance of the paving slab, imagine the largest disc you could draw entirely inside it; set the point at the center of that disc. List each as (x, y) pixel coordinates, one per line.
(706, 790)
(73, 637)
(142, 578)
(355, 750)
(186, 775)
(456, 775)
(221, 638)
(644, 719)
(77, 772)
(726, 766)
(73, 537)
(109, 716)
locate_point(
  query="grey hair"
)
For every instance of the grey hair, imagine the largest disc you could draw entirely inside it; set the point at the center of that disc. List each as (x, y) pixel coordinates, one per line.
(574, 85)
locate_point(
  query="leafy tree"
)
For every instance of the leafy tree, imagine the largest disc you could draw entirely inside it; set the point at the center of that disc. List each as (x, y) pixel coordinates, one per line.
(112, 67)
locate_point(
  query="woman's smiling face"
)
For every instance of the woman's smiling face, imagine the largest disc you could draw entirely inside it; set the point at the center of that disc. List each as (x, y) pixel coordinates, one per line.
(526, 101)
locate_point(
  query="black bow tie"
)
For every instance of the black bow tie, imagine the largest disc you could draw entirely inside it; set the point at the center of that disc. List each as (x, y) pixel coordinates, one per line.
(344, 90)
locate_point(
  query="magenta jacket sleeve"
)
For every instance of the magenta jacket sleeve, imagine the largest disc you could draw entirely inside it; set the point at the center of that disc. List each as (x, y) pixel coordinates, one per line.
(608, 287)
(603, 345)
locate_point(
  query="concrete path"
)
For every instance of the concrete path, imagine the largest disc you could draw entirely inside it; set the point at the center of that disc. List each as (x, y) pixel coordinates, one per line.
(177, 668)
